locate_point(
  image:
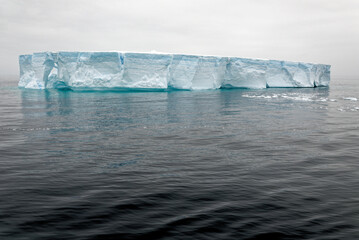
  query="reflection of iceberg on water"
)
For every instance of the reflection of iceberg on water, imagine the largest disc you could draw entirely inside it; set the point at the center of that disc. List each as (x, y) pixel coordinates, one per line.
(150, 71)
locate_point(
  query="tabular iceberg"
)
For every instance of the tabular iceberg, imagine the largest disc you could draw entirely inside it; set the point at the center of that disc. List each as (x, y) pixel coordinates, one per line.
(146, 71)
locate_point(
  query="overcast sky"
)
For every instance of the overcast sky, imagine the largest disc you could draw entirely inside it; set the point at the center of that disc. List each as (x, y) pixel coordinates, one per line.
(319, 31)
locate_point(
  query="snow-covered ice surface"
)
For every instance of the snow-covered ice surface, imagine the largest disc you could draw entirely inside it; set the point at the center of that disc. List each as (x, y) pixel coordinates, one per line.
(157, 71)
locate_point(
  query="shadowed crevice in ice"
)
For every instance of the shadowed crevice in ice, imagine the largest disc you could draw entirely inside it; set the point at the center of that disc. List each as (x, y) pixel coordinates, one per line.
(158, 72)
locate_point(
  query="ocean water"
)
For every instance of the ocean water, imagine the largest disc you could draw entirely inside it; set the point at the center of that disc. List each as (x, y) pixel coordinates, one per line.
(221, 164)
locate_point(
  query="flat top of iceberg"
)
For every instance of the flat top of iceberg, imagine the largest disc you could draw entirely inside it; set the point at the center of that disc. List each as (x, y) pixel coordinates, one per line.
(182, 54)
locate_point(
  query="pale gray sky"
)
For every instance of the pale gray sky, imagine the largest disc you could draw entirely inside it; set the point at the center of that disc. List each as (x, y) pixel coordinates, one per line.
(319, 31)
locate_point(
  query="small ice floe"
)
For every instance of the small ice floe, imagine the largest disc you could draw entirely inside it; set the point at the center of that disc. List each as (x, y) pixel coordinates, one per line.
(303, 98)
(257, 96)
(293, 97)
(348, 109)
(350, 98)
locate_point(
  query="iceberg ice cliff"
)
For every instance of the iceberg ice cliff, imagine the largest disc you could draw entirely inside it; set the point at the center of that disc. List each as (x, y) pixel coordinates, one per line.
(123, 70)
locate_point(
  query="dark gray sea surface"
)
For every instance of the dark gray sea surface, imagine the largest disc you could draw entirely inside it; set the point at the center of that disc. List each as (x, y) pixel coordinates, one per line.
(221, 164)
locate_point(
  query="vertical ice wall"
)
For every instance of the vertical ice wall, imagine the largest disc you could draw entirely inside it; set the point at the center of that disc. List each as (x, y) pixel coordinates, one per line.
(106, 70)
(35, 70)
(245, 73)
(196, 72)
(84, 70)
(142, 70)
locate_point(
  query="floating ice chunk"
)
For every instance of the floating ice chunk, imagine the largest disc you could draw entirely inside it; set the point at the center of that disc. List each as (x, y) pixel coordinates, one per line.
(304, 98)
(107, 70)
(350, 98)
(292, 97)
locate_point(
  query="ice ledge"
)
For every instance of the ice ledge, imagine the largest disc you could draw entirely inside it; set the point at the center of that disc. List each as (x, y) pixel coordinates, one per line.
(150, 71)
